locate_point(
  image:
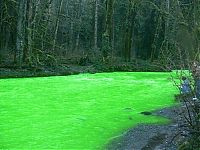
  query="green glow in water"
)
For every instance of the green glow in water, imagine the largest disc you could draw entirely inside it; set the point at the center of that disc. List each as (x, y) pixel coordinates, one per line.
(78, 112)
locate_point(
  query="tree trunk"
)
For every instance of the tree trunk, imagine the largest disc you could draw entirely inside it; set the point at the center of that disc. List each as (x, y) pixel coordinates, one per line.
(67, 45)
(167, 7)
(20, 32)
(96, 25)
(47, 23)
(57, 25)
(7, 38)
(28, 51)
(107, 36)
(71, 35)
(79, 26)
(113, 36)
(109, 16)
(35, 19)
(129, 31)
(77, 42)
(1, 30)
(196, 27)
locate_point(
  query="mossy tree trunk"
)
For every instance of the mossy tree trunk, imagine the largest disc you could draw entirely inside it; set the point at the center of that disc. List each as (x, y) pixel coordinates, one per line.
(107, 35)
(129, 26)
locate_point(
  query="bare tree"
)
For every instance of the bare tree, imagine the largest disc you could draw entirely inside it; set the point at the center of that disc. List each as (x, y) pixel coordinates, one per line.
(20, 41)
(96, 25)
(28, 53)
(79, 25)
(57, 25)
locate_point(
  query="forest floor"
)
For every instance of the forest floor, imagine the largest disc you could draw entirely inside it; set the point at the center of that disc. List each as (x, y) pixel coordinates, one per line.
(153, 137)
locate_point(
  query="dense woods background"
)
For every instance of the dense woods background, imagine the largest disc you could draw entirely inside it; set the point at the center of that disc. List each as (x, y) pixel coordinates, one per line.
(50, 32)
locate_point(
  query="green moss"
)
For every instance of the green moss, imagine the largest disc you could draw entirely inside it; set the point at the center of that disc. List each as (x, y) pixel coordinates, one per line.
(79, 111)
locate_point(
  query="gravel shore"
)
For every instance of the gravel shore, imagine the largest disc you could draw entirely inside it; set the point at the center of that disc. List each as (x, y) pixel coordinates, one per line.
(152, 137)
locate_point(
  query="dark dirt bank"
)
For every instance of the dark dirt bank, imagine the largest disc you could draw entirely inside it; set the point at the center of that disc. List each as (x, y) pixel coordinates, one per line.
(16, 72)
(152, 137)
(12, 71)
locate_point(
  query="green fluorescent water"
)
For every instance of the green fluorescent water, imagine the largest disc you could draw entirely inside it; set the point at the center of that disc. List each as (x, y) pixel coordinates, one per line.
(78, 112)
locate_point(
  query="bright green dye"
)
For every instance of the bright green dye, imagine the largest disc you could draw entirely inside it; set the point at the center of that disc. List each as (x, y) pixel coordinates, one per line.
(78, 112)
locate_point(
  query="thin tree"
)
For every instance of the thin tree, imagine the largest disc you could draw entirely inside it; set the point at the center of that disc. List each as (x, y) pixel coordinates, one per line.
(79, 25)
(57, 25)
(96, 25)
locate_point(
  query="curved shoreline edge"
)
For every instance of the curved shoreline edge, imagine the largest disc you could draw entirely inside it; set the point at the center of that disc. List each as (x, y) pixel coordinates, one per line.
(151, 136)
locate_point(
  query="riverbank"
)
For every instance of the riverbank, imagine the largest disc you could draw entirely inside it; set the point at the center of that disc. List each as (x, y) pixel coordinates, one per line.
(153, 137)
(10, 71)
(15, 72)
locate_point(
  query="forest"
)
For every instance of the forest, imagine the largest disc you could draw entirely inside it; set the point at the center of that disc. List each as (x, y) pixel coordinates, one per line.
(37, 33)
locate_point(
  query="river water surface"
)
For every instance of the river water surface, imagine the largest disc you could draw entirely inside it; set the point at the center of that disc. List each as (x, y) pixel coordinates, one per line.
(83, 111)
